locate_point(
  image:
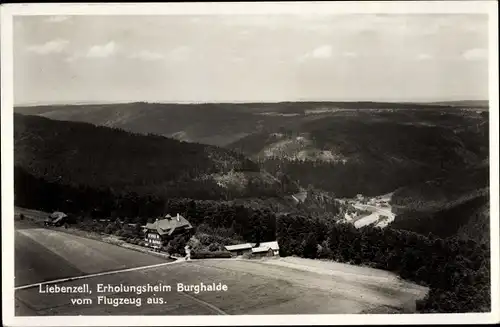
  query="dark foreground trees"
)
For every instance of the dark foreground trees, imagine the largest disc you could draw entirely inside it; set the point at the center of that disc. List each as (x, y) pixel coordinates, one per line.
(457, 271)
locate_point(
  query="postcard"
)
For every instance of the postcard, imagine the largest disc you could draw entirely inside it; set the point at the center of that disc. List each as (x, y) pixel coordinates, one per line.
(250, 163)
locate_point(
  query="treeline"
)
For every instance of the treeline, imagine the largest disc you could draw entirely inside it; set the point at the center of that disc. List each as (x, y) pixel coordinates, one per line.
(215, 225)
(456, 204)
(249, 218)
(347, 179)
(252, 224)
(444, 192)
(457, 272)
(455, 221)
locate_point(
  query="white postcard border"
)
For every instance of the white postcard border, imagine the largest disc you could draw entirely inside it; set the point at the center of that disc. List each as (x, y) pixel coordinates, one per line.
(312, 8)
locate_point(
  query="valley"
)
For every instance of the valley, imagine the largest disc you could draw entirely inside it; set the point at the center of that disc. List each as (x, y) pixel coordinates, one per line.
(339, 149)
(330, 181)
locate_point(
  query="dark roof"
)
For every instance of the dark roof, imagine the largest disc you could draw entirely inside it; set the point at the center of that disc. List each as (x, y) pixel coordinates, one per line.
(238, 247)
(262, 247)
(169, 224)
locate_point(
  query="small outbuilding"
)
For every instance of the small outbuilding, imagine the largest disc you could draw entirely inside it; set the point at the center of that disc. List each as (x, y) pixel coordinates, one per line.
(270, 248)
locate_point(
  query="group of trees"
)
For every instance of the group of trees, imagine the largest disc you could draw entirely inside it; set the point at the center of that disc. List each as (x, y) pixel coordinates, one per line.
(444, 192)
(249, 224)
(371, 177)
(216, 224)
(243, 222)
(454, 221)
(456, 204)
(457, 271)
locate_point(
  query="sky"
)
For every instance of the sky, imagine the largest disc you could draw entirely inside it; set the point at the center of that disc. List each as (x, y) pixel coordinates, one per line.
(250, 58)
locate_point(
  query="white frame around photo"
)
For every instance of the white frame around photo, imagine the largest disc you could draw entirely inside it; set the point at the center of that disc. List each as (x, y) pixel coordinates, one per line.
(243, 8)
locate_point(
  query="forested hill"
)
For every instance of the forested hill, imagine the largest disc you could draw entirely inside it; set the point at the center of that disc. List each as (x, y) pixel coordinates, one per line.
(454, 204)
(82, 155)
(371, 153)
(210, 123)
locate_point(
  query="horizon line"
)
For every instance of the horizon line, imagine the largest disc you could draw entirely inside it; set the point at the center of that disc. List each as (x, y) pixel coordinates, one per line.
(76, 103)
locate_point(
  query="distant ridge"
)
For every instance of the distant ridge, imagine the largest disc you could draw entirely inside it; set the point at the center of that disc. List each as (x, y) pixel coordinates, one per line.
(464, 103)
(213, 123)
(480, 103)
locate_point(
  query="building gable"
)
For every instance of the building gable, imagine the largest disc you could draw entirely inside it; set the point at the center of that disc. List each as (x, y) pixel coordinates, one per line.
(169, 225)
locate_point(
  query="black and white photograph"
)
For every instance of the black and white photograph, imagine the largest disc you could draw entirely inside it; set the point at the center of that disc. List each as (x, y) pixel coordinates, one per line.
(197, 162)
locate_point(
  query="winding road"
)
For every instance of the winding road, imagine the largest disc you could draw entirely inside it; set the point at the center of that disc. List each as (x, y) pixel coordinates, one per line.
(374, 216)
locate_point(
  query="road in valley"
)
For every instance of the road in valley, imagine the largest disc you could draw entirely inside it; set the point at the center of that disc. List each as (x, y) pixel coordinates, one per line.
(374, 216)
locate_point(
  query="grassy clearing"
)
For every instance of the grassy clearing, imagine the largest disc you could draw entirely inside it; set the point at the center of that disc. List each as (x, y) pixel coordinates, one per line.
(44, 254)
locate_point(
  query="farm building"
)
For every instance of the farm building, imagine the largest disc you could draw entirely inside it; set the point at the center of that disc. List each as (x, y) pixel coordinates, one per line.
(162, 230)
(240, 249)
(262, 252)
(264, 249)
(269, 249)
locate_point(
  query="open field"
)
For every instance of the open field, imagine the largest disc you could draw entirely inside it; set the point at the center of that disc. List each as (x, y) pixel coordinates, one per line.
(43, 254)
(274, 286)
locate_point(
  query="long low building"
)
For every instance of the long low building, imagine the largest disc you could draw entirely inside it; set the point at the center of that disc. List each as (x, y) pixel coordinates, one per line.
(255, 249)
(240, 249)
(267, 248)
